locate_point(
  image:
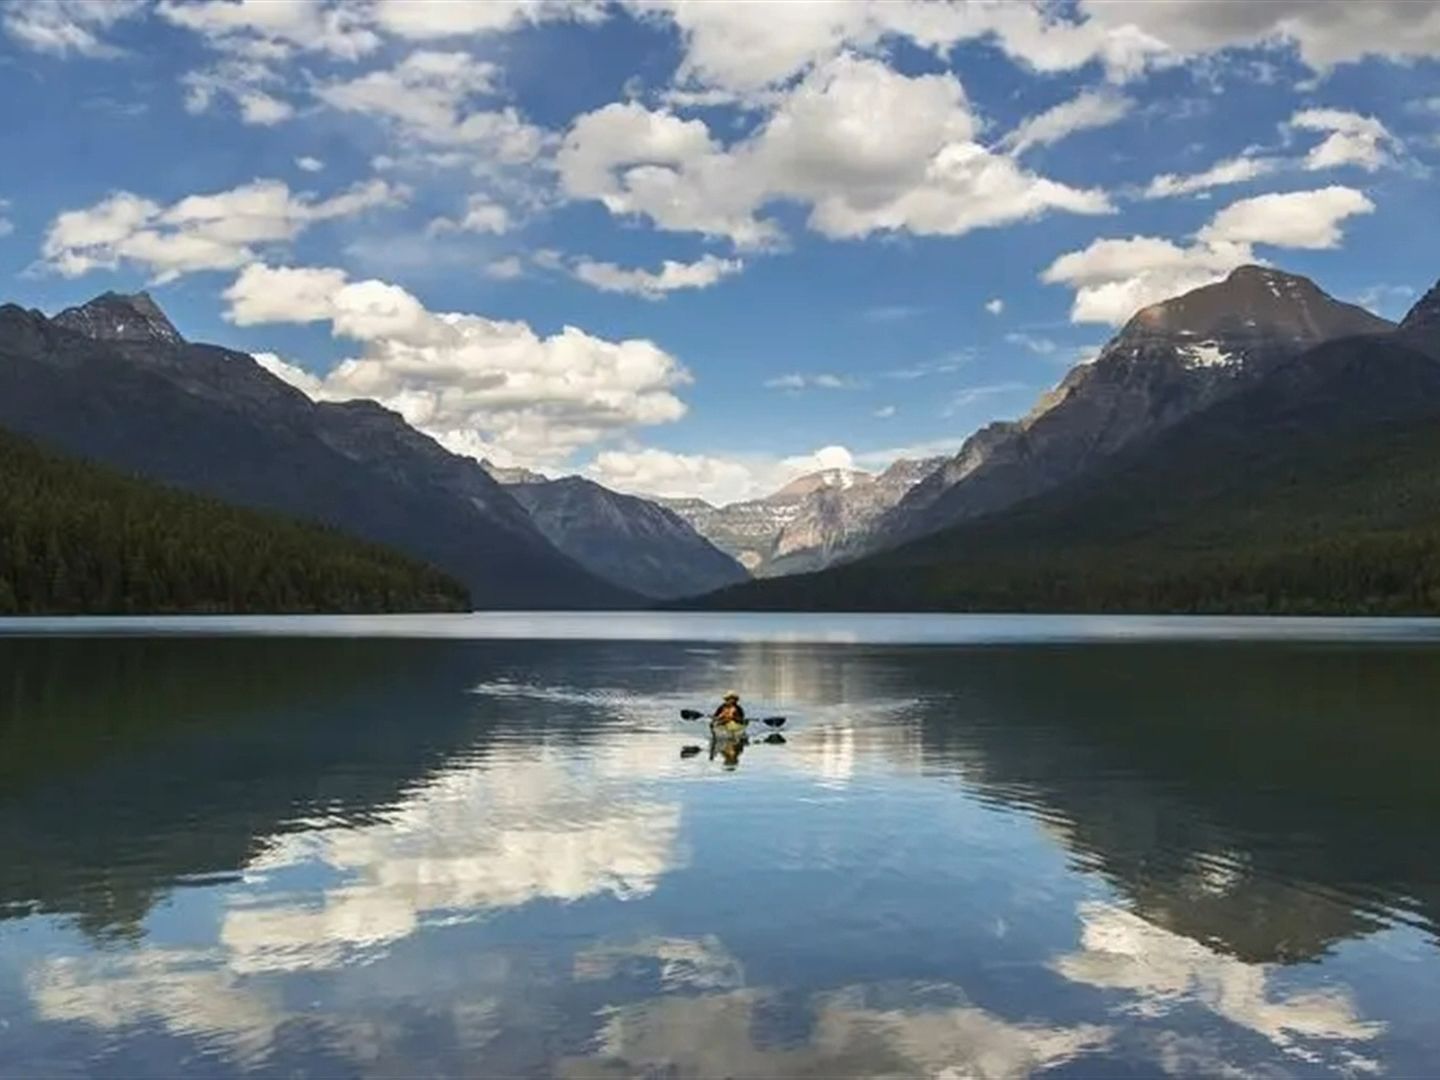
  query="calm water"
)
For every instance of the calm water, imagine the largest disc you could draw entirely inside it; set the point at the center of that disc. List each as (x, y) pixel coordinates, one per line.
(1082, 848)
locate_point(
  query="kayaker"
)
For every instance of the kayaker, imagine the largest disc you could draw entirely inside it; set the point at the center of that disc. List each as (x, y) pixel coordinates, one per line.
(730, 711)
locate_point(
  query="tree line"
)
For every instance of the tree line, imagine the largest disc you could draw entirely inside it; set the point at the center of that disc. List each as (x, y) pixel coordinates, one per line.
(76, 537)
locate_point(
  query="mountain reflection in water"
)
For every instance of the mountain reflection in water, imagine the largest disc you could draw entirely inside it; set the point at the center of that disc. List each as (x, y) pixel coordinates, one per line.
(352, 856)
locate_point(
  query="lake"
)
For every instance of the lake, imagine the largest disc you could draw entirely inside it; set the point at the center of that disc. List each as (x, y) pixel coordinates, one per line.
(476, 845)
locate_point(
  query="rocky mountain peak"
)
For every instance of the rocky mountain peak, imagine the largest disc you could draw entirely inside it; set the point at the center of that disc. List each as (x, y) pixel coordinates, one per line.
(506, 474)
(1421, 325)
(836, 479)
(113, 316)
(1253, 303)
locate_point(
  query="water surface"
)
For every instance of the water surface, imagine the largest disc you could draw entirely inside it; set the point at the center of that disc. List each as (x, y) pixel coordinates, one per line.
(341, 848)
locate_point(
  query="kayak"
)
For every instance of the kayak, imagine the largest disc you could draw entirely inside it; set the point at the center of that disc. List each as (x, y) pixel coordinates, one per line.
(723, 729)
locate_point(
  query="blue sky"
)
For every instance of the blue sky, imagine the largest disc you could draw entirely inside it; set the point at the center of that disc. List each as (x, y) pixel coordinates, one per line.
(771, 229)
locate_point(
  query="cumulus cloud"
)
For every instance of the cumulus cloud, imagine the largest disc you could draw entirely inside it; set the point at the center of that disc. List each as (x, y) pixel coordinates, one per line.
(507, 268)
(1295, 219)
(716, 479)
(995, 306)
(482, 215)
(1114, 278)
(428, 97)
(431, 19)
(221, 231)
(475, 384)
(309, 164)
(275, 28)
(1236, 170)
(726, 49)
(65, 27)
(246, 83)
(1323, 34)
(655, 284)
(920, 172)
(1088, 110)
(1353, 139)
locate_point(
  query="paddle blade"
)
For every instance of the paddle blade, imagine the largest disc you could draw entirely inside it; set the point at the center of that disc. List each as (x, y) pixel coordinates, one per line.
(774, 721)
(690, 714)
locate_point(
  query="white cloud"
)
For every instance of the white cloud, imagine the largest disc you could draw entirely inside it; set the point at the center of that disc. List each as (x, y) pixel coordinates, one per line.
(507, 268)
(654, 284)
(482, 215)
(885, 412)
(309, 164)
(285, 371)
(247, 83)
(716, 479)
(221, 231)
(431, 19)
(727, 49)
(1041, 346)
(428, 98)
(6, 225)
(1388, 300)
(274, 28)
(995, 306)
(1115, 278)
(1236, 170)
(1324, 34)
(1296, 219)
(822, 381)
(920, 172)
(1356, 140)
(1088, 110)
(476, 384)
(937, 1033)
(1165, 971)
(62, 27)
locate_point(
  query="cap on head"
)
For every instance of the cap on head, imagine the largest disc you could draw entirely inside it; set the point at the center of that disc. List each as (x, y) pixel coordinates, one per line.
(732, 696)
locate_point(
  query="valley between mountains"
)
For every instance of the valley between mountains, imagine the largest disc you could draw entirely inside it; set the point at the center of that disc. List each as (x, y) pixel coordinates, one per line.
(1252, 445)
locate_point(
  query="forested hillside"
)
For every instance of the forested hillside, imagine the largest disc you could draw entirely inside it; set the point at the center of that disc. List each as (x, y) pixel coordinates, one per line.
(76, 537)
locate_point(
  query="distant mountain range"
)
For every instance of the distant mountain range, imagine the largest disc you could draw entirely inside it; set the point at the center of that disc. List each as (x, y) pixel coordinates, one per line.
(631, 541)
(1251, 446)
(808, 523)
(114, 382)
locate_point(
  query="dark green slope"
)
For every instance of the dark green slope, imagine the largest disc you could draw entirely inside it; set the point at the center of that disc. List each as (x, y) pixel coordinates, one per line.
(76, 537)
(1316, 492)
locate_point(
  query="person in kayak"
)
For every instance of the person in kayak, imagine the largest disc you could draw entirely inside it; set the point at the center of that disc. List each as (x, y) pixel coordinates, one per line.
(729, 711)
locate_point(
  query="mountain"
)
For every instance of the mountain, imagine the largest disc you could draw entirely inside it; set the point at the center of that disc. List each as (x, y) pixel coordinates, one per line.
(807, 524)
(113, 382)
(80, 538)
(630, 541)
(1312, 490)
(1170, 361)
(1420, 328)
(115, 316)
(512, 474)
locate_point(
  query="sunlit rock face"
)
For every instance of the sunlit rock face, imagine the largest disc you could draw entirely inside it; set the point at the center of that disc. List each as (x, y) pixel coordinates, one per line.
(810, 522)
(1170, 361)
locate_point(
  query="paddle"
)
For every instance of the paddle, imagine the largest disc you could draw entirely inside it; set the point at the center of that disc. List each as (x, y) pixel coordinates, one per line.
(768, 721)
